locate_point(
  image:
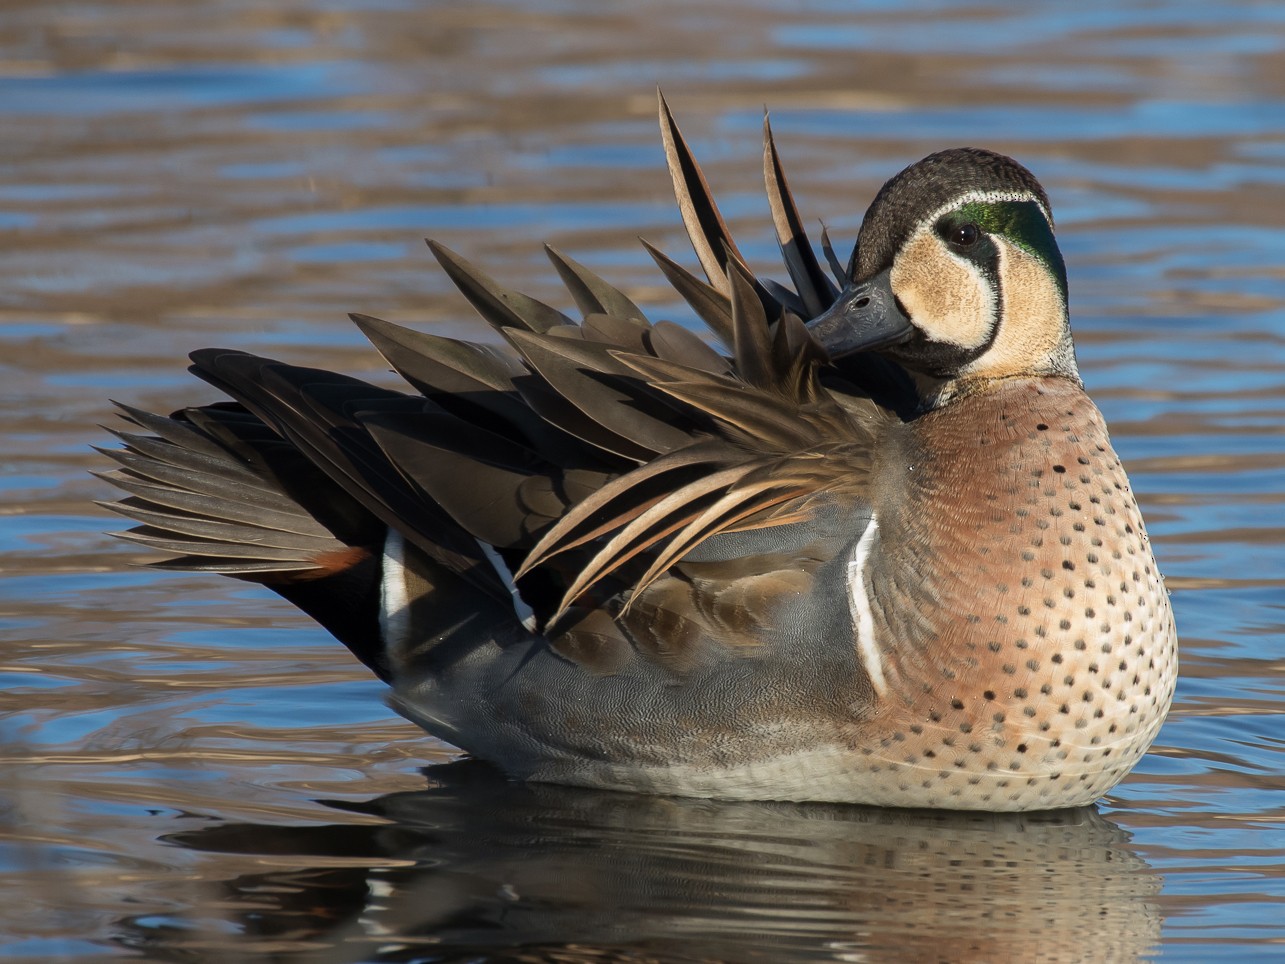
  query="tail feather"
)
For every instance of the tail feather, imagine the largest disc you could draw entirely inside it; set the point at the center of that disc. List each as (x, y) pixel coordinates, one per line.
(213, 488)
(318, 412)
(201, 496)
(209, 529)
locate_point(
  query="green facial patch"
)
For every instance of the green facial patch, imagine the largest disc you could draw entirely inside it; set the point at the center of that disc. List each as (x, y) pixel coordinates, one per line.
(1021, 222)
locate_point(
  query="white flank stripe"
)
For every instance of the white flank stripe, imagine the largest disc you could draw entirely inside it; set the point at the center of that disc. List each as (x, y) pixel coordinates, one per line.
(394, 612)
(863, 623)
(524, 612)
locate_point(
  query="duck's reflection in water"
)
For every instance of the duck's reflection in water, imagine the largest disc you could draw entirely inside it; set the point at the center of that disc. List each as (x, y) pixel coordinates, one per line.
(478, 868)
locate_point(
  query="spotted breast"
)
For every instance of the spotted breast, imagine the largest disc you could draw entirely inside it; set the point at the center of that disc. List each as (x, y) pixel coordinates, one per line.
(1015, 608)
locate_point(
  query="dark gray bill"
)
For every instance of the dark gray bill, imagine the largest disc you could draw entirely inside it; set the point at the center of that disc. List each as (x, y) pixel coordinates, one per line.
(865, 317)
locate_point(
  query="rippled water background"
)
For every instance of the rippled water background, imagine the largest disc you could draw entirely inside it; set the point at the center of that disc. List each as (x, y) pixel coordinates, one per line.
(193, 772)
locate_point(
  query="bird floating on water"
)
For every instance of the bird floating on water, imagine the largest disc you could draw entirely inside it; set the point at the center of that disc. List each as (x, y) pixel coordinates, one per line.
(875, 548)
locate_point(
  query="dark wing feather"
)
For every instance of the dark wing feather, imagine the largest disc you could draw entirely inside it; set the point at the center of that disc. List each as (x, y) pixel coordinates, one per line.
(441, 366)
(754, 417)
(710, 237)
(589, 376)
(709, 234)
(593, 295)
(474, 382)
(815, 291)
(195, 498)
(751, 340)
(473, 475)
(212, 529)
(609, 449)
(172, 470)
(616, 331)
(784, 297)
(502, 307)
(841, 274)
(675, 343)
(711, 305)
(176, 442)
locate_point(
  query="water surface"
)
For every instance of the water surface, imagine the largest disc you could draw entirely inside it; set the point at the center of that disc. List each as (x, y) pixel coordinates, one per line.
(192, 771)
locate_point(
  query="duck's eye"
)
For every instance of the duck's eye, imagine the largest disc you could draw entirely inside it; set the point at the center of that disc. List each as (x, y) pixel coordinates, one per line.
(964, 235)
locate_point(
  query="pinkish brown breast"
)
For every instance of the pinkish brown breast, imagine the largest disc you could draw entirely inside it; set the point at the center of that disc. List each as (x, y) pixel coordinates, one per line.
(1027, 647)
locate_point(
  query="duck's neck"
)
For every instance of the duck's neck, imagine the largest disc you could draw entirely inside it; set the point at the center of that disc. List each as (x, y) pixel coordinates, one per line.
(936, 393)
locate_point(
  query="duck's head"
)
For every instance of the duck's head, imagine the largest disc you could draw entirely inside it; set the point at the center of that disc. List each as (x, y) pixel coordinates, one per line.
(956, 275)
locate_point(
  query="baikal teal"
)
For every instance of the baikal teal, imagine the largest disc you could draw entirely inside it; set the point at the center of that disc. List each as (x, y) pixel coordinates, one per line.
(878, 549)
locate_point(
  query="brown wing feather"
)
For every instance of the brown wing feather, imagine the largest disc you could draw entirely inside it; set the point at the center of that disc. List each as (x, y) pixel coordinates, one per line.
(666, 516)
(618, 500)
(739, 503)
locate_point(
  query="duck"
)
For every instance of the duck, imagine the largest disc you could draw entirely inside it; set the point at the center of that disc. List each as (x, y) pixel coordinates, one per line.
(871, 544)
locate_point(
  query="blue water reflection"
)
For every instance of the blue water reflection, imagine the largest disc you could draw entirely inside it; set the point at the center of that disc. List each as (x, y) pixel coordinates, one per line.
(180, 88)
